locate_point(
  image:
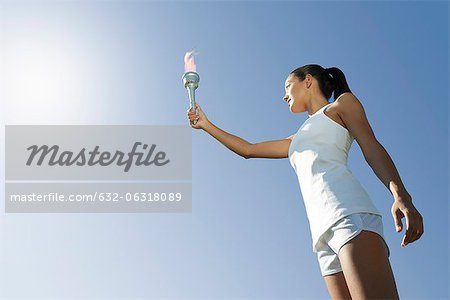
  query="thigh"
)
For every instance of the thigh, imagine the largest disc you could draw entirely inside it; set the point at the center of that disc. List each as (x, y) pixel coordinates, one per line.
(365, 263)
(337, 287)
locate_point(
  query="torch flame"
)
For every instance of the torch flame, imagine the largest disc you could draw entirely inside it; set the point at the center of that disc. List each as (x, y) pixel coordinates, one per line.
(189, 64)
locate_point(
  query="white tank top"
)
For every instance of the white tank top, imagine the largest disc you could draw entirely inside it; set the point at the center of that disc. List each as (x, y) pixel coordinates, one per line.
(318, 153)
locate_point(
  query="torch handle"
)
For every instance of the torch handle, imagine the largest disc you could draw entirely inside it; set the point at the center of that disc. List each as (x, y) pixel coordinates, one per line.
(192, 102)
(190, 81)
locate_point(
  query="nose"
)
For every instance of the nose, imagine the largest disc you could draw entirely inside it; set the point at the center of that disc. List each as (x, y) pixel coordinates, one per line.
(286, 97)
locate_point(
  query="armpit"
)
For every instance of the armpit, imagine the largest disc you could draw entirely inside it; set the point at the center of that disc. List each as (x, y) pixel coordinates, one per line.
(290, 137)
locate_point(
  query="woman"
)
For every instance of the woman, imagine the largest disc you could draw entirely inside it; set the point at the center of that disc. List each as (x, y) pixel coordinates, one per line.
(346, 227)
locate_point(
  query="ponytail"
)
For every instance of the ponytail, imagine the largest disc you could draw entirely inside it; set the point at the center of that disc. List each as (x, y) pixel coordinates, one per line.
(331, 80)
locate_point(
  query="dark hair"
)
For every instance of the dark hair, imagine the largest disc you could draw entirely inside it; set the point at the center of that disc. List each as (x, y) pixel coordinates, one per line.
(330, 79)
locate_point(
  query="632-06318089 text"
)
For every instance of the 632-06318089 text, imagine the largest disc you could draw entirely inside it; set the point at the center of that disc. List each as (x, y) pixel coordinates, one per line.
(102, 197)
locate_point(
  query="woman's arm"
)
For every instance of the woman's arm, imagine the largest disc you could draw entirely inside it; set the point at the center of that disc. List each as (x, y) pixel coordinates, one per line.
(352, 113)
(232, 142)
(383, 166)
(268, 149)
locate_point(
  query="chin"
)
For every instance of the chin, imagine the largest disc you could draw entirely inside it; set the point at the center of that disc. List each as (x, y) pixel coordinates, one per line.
(292, 110)
(296, 110)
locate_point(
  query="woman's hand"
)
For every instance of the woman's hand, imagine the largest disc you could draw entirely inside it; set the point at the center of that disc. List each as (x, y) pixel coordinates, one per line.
(404, 208)
(200, 117)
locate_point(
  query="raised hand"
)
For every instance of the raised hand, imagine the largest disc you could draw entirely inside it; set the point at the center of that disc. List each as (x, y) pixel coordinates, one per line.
(200, 117)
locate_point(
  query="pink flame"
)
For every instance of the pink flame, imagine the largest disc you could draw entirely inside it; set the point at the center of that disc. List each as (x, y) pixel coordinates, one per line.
(189, 64)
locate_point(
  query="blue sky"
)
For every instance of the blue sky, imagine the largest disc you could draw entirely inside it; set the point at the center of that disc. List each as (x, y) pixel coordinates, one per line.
(247, 236)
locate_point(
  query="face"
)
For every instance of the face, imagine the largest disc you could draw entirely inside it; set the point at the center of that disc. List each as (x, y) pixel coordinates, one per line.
(295, 91)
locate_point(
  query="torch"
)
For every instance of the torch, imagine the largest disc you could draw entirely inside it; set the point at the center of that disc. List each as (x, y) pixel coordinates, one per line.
(190, 79)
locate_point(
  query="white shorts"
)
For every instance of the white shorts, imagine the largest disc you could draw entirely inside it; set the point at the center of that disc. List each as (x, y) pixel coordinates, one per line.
(340, 233)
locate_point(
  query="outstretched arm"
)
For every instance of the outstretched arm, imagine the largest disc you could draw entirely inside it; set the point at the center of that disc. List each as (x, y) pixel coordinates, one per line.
(352, 113)
(232, 142)
(267, 149)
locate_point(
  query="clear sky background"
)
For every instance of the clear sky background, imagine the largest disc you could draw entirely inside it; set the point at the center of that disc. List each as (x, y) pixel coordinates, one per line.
(247, 236)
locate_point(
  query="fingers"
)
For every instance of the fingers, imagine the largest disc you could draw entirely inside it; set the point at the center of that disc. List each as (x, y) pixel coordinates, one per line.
(197, 110)
(193, 117)
(196, 117)
(414, 221)
(421, 230)
(409, 229)
(418, 221)
(191, 113)
(193, 120)
(414, 228)
(397, 215)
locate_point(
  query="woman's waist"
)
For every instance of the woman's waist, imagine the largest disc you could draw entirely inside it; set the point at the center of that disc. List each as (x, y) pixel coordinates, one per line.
(338, 182)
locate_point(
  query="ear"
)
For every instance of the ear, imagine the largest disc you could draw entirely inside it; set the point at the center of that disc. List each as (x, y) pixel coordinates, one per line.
(308, 80)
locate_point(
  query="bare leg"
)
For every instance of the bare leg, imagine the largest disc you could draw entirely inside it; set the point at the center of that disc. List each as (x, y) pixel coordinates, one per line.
(337, 287)
(365, 263)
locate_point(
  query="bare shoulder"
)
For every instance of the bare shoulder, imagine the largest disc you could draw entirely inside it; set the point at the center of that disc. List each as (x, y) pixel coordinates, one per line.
(336, 109)
(352, 113)
(347, 103)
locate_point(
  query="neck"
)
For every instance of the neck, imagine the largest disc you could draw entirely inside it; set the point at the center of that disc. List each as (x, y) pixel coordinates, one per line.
(315, 104)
